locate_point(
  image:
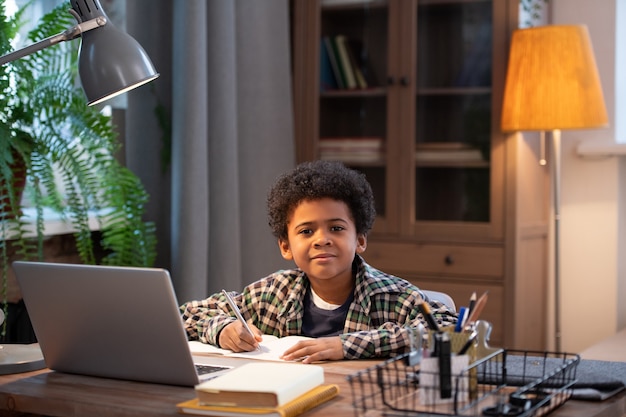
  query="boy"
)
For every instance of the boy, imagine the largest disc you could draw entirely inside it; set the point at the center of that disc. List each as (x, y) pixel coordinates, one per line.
(320, 213)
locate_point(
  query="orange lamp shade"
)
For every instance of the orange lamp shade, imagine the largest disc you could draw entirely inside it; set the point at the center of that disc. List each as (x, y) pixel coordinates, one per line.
(552, 81)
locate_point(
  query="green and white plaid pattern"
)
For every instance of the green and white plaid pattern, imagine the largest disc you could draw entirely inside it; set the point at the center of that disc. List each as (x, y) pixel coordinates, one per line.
(383, 309)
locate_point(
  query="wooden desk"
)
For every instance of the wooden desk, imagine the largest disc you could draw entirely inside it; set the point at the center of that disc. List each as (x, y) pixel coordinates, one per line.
(57, 394)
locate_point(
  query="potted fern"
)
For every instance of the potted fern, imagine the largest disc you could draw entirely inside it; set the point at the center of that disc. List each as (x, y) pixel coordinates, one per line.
(66, 151)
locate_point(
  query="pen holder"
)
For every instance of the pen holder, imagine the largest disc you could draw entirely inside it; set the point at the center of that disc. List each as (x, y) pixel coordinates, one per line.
(430, 387)
(457, 342)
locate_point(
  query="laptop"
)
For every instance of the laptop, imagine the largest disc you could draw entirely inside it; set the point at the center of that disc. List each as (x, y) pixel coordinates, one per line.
(113, 322)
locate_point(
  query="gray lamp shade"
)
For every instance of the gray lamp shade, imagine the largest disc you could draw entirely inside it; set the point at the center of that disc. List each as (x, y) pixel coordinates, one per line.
(110, 61)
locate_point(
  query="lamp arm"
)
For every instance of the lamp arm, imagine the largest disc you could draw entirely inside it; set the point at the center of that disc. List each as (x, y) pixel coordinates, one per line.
(67, 35)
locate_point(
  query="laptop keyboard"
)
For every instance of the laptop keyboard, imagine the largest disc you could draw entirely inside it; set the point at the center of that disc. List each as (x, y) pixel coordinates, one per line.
(209, 369)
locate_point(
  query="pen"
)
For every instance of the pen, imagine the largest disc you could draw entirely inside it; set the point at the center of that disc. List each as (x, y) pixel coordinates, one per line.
(460, 323)
(442, 343)
(235, 309)
(472, 303)
(480, 305)
(430, 319)
(468, 344)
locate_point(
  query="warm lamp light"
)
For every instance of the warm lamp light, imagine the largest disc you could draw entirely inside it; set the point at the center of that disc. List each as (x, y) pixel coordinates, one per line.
(552, 83)
(110, 63)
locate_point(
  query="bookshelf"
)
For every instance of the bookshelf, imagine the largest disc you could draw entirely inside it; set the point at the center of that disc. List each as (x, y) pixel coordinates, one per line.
(461, 207)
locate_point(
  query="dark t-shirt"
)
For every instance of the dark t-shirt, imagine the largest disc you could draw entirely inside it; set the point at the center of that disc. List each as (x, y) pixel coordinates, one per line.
(318, 322)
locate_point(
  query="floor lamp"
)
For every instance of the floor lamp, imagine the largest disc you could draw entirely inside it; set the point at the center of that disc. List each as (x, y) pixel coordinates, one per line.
(552, 84)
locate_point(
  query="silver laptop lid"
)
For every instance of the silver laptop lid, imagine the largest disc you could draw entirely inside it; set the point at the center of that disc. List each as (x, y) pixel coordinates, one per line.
(115, 322)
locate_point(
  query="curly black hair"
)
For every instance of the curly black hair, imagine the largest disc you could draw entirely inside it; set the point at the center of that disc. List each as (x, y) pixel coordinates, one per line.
(316, 180)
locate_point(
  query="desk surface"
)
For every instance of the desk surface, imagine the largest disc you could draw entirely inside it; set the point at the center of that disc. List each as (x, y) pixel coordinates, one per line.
(56, 394)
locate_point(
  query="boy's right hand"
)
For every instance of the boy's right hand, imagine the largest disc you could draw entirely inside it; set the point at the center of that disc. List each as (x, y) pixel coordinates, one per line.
(235, 337)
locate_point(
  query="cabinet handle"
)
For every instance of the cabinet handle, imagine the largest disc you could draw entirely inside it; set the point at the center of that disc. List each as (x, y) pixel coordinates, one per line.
(448, 260)
(391, 80)
(404, 81)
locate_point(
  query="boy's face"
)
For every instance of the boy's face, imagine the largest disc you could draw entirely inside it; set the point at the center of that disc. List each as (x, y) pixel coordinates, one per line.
(322, 240)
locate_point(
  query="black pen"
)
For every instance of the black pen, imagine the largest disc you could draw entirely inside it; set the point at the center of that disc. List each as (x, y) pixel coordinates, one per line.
(430, 319)
(468, 344)
(472, 303)
(442, 342)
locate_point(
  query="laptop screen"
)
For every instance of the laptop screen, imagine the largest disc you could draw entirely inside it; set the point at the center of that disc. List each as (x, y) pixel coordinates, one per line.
(107, 321)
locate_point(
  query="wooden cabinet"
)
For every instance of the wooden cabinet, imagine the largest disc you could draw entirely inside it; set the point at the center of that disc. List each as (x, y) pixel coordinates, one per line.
(461, 207)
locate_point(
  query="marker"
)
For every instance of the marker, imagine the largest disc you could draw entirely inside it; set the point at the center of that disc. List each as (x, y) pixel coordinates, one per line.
(235, 309)
(430, 319)
(472, 303)
(442, 341)
(460, 322)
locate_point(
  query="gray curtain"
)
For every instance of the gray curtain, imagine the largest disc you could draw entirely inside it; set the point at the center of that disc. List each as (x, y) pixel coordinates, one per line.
(226, 85)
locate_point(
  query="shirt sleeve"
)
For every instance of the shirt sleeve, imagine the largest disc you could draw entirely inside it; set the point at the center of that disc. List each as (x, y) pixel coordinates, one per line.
(270, 303)
(204, 319)
(394, 321)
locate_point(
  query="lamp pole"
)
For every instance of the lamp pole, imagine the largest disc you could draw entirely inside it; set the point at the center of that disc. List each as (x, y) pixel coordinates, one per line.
(556, 196)
(67, 35)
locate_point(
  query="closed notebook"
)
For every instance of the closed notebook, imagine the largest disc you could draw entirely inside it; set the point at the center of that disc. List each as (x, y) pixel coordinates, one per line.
(260, 384)
(295, 407)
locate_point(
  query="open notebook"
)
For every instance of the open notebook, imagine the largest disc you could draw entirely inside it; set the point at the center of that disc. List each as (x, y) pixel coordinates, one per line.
(115, 322)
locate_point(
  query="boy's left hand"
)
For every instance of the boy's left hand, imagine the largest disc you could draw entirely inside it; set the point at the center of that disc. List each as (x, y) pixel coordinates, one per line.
(320, 349)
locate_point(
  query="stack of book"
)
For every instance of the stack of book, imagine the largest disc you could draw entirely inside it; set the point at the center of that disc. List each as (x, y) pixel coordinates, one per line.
(342, 65)
(352, 149)
(262, 389)
(447, 152)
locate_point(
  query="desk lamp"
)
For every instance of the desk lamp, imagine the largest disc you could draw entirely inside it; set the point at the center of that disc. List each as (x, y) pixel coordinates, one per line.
(552, 83)
(110, 63)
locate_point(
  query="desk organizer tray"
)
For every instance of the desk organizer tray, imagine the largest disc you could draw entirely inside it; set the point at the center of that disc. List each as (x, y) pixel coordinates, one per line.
(505, 383)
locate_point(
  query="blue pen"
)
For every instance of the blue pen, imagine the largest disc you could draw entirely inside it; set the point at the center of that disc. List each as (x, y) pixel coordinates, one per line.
(460, 320)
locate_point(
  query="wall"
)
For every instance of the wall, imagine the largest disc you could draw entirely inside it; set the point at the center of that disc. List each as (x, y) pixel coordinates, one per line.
(593, 280)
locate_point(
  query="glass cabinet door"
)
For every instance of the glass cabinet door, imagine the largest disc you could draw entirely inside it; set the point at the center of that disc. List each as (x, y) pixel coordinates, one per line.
(353, 106)
(453, 111)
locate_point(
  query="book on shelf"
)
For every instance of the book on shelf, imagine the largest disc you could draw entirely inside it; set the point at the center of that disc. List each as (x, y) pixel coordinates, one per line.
(344, 2)
(352, 158)
(361, 51)
(353, 47)
(295, 407)
(442, 145)
(333, 57)
(270, 349)
(344, 61)
(260, 384)
(327, 73)
(446, 155)
(347, 143)
(341, 57)
(355, 150)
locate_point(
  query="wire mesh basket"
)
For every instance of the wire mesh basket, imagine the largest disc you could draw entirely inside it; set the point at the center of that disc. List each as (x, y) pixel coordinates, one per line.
(505, 383)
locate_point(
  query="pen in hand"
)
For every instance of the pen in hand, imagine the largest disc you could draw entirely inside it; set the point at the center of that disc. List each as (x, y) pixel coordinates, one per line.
(235, 309)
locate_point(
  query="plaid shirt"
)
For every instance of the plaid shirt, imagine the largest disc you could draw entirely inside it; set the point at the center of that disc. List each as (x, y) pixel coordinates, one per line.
(377, 324)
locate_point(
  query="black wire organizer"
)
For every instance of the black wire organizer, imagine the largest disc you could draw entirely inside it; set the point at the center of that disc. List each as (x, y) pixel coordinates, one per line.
(505, 383)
